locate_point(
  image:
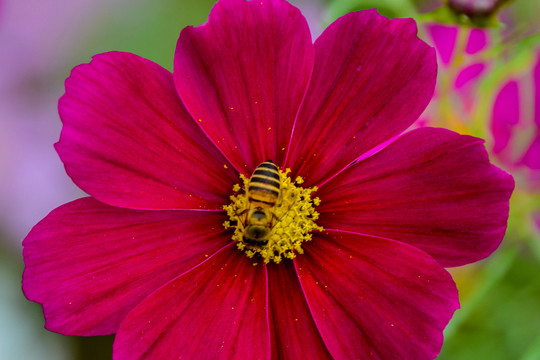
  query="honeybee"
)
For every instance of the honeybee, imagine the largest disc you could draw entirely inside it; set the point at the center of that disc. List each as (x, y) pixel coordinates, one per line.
(263, 193)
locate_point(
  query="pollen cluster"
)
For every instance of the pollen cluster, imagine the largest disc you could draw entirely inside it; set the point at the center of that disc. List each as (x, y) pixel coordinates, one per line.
(293, 220)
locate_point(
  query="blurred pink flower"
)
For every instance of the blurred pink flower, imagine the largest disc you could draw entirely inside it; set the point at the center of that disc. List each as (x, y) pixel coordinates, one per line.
(515, 123)
(146, 255)
(445, 40)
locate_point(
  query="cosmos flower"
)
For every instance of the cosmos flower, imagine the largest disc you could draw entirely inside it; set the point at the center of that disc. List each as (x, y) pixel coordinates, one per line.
(461, 62)
(157, 252)
(515, 124)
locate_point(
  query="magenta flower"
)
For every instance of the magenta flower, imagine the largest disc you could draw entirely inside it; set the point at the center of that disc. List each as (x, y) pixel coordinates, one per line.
(152, 255)
(515, 124)
(468, 71)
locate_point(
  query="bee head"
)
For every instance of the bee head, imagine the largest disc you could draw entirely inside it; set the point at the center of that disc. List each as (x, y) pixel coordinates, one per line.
(254, 242)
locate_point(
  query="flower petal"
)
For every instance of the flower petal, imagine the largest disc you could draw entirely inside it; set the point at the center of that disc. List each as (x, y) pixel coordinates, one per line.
(444, 39)
(89, 263)
(431, 188)
(478, 40)
(531, 158)
(215, 311)
(295, 335)
(243, 74)
(128, 141)
(505, 115)
(376, 298)
(469, 75)
(372, 78)
(536, 79)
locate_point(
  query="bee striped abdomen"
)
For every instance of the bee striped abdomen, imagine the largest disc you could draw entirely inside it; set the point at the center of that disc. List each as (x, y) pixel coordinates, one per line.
(264, 185)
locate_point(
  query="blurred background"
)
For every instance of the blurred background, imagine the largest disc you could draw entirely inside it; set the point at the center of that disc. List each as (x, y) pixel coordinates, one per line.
(488, 86)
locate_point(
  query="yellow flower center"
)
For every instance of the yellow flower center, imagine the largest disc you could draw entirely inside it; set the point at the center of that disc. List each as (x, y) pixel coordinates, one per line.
(274, 232)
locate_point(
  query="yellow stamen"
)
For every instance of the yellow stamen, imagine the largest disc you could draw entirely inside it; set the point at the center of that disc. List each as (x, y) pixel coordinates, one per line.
(294, 219)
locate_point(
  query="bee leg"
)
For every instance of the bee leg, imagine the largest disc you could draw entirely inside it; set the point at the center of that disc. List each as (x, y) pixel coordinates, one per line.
(274, 220)
(241, 213)
(240, 224)
(241, 221)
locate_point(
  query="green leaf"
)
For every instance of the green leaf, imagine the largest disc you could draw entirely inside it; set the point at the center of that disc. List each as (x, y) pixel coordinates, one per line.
(388, 8)
(146, 28)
